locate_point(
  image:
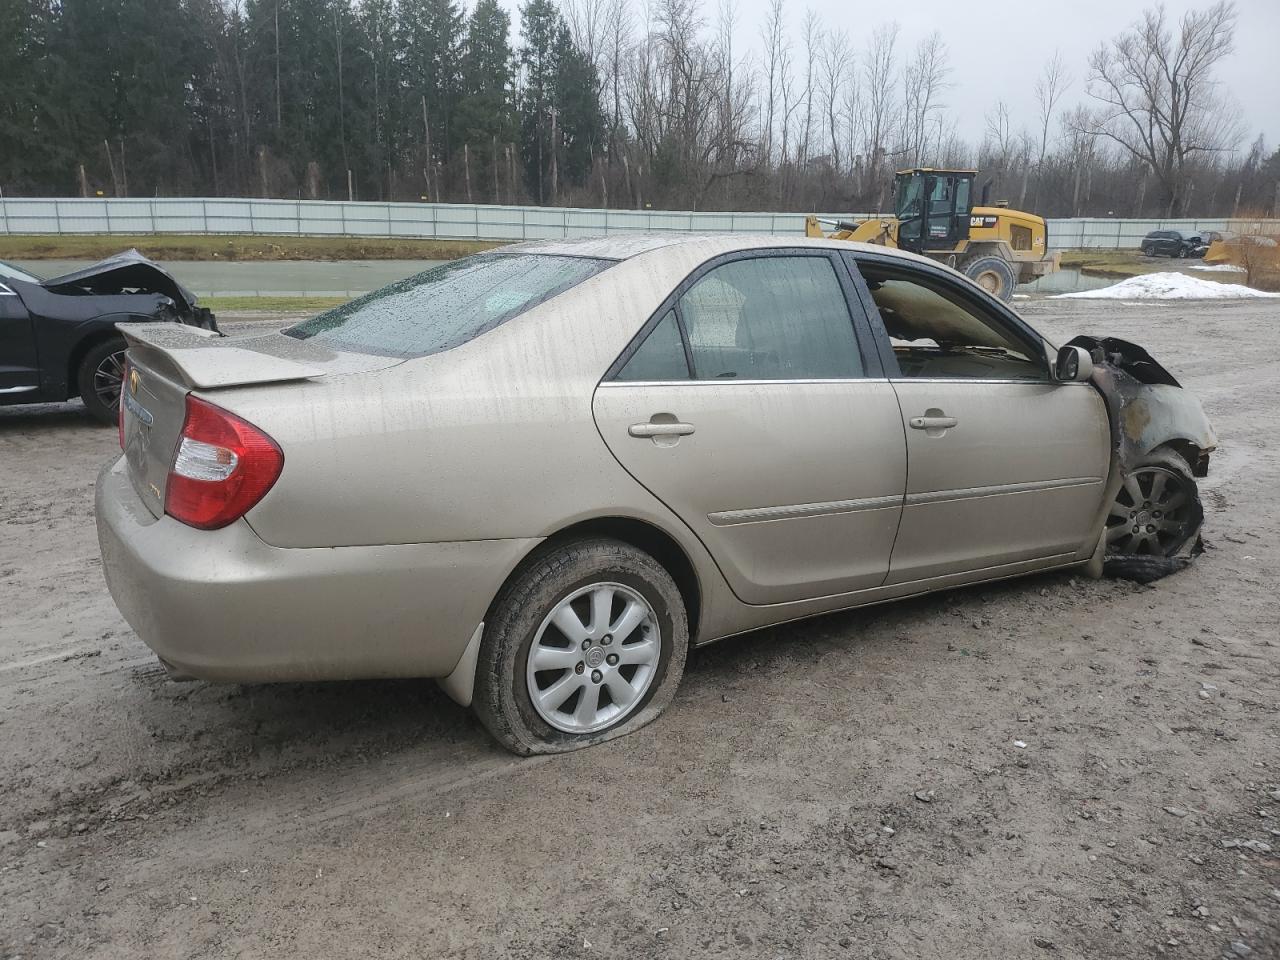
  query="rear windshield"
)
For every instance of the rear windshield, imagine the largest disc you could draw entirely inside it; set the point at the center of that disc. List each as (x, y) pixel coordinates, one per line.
(447, 305)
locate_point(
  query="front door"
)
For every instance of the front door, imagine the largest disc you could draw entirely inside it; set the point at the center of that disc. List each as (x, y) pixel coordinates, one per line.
(19, 369)
(1004, 464)
(750, 410)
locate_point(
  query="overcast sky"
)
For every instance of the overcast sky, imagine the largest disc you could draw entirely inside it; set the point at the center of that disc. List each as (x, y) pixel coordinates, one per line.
(998, 47)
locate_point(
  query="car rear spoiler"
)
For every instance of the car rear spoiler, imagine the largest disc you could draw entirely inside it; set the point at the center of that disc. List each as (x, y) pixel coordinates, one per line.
(204, 360)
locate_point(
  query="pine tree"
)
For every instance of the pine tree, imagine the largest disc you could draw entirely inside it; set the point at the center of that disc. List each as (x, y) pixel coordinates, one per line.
(581, 121)
(484, 119)
(540, 28)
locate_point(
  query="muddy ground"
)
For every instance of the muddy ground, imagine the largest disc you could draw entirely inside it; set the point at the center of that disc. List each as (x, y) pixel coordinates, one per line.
(1045, 767)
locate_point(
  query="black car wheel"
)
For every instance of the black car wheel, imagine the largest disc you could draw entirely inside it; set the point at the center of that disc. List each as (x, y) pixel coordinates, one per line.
(1148, 250)
(100, 377)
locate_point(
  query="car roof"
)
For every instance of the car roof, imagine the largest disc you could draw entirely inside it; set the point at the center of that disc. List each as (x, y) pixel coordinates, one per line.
(628, 245)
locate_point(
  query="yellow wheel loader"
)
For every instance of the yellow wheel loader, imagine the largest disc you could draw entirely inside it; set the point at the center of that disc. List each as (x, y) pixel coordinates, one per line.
(933, 214)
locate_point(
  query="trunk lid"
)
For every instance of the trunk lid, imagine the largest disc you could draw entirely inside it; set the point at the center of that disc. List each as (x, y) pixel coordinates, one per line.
(169, 360)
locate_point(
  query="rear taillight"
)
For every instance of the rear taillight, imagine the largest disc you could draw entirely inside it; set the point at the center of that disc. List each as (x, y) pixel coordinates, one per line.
(222, 467)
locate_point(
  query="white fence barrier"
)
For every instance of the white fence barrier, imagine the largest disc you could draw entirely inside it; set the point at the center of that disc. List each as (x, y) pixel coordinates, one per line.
(478, 221)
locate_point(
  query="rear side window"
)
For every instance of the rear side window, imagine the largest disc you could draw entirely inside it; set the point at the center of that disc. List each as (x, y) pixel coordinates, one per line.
(770, 318)
(661, 356)
(448, 305)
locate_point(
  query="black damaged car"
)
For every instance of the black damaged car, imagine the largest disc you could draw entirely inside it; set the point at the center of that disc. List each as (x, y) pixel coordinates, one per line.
(58, 337)
(1173, 243)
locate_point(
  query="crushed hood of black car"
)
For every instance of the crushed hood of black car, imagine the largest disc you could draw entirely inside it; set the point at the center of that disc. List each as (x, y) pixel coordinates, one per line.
(123, 273)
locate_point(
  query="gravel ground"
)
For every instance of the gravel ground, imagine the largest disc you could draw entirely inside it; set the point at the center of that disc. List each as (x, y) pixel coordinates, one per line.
(1044, 767)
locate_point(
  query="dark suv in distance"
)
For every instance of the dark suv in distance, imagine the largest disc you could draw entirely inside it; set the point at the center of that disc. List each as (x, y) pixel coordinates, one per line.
(1171, 243)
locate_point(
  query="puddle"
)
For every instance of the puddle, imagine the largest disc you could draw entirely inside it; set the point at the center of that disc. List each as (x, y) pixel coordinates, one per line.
(1066, 281)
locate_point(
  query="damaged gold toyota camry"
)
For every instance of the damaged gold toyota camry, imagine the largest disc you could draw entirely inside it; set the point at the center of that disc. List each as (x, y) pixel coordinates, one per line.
(539, 475)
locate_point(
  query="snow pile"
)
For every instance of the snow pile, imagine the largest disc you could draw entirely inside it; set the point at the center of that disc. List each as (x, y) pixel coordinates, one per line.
(1167, 286)
(1219, 268)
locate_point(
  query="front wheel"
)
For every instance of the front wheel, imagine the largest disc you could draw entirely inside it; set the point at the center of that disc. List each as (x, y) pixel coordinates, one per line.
(585, 644)
(99, 378)
(1157, 510)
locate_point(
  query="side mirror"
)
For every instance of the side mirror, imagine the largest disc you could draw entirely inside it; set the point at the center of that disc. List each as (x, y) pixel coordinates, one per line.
(1074, 365)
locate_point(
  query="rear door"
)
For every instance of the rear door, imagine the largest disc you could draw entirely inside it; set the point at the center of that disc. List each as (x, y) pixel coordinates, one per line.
(749, 406)
(1004, 464)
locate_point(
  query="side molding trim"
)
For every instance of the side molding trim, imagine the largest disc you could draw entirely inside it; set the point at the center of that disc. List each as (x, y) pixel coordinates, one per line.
(729, 518)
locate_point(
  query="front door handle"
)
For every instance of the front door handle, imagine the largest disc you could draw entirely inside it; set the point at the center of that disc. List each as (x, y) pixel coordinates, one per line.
(651, 429)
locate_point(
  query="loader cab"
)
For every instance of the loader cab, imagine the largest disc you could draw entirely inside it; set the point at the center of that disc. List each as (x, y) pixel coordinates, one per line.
(932, 208)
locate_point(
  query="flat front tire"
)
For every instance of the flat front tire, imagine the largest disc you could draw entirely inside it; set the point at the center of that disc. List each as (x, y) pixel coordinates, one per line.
(584, 644)
(1157, 510)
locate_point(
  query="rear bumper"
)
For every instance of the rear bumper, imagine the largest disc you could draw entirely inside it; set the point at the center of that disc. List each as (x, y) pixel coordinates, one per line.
(223, 605)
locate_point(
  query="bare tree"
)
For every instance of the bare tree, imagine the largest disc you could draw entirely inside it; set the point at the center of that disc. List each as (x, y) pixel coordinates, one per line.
(682, 120)
(880, 81)
(923, 82)
(1080, 130)
(621, 26)
(1050, 87)
(588, 22)
(733, 94)
(999, 140)
(1156, 87)
(1026, 146)
(775, 42)
(834, 68)
(812, 39)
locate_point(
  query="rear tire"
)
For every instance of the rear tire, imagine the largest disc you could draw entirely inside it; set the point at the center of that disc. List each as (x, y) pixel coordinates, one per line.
(994, 274)
(551, 677)
(99, 378)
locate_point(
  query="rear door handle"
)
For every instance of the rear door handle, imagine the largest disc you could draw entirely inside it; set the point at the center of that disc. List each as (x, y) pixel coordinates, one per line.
(932, 423)
(660, 429)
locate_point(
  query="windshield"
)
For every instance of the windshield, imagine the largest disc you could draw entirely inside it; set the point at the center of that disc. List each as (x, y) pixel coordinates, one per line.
(448, 305)
(9, 272)
(910, 189)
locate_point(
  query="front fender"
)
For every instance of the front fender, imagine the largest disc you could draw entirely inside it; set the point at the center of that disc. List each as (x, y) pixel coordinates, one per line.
(1147, 409)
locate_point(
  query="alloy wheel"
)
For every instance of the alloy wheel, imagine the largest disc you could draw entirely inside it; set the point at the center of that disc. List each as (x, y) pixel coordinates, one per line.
(1151, 515)
(593, 658)
(108, 378)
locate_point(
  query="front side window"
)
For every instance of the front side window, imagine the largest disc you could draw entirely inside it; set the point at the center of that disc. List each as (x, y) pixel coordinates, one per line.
(448, 305)
(770, 318)
(937, 333)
